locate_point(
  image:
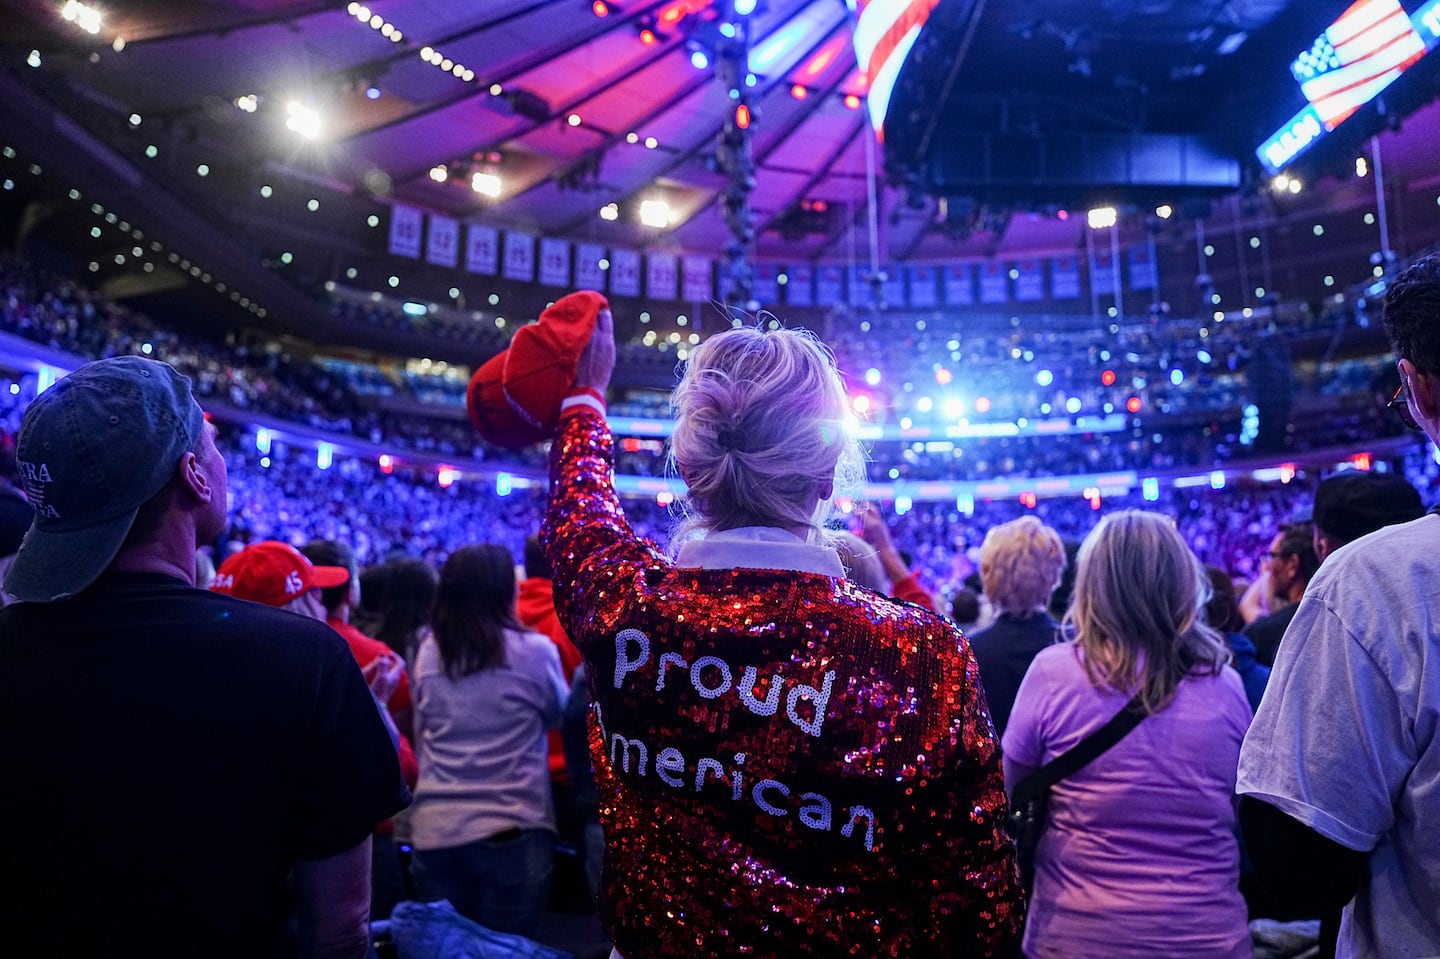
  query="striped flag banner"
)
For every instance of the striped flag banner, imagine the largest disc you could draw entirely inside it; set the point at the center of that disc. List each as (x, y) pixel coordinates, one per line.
(1358, 56)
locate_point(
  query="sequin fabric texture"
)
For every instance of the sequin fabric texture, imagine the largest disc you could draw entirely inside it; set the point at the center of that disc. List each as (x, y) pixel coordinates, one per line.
(789, 765)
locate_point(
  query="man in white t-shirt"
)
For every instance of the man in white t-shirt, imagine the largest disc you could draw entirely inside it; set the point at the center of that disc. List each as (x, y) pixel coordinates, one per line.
(1340, 771)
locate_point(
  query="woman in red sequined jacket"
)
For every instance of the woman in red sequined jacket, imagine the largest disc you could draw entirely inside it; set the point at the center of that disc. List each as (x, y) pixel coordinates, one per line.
(789, 765)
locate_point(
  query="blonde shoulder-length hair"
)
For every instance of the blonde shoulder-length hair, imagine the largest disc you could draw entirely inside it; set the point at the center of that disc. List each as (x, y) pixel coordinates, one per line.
(1137, 611)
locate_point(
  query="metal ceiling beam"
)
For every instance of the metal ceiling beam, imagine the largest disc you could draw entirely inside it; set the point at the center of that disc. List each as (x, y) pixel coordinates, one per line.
(684, 156)
(569, 106)
(537, 58)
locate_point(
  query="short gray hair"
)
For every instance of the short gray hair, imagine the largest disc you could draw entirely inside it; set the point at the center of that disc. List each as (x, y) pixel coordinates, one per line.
(761, 432)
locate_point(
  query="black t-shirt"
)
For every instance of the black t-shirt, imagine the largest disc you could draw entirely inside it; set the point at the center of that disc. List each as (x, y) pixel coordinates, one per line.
(169, 755)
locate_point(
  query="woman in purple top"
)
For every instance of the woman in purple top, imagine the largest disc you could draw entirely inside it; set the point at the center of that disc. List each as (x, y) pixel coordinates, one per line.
(1139, 857)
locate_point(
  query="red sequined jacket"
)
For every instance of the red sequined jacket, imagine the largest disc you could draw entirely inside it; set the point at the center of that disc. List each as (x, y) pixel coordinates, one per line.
(789, 765)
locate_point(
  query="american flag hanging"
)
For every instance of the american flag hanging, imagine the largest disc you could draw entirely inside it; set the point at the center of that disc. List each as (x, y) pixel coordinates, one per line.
(1358, 56)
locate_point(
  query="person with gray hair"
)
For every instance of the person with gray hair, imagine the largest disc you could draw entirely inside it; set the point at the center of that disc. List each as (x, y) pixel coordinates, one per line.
(788, 763)
(1021, 564)
(194, 765)
(1148, 827)
(1340, 774)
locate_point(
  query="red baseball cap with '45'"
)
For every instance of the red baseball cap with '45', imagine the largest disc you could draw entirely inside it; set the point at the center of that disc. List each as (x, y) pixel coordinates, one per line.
(273, 573)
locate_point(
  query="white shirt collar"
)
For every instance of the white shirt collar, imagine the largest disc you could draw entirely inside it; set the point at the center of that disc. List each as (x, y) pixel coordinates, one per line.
(759, 547)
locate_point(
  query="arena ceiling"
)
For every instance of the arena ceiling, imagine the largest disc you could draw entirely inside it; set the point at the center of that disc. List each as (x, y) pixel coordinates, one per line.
(572, 112)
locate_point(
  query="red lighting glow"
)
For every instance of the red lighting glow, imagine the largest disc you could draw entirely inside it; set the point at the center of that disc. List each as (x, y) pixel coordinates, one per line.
(943, 376)
(982, 404)
(799, 91)
(852, 101)
(1133, 404)
(1361, 461)
(601, 8)
(742, 117)
(1027, 500)
(1287, 472)
(1108, 377)
(647, 36)
(387, 463)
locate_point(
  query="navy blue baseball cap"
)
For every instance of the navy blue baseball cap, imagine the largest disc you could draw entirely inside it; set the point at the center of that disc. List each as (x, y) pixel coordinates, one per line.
(92, 450)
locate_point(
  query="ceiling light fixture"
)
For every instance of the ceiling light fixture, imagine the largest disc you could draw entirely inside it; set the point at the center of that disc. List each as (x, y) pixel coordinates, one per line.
(655, 214)
(1102, 217)
(83, 15)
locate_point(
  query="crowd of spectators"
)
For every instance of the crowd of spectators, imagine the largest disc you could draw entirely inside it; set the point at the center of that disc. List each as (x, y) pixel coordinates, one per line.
(400, 512)
(418, 405)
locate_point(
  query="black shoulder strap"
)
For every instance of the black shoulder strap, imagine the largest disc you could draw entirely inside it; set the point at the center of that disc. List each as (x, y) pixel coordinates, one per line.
(1088, 749)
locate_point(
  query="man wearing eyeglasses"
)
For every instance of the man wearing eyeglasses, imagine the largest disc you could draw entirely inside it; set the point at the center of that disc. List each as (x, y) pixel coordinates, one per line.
(1289, 565)
(1340, 772)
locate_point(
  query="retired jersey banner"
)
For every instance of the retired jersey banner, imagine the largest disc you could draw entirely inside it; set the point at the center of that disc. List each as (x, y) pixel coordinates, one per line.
(960, 284)
(1102, 272)
(554, 262)
(443, 248)
(994, 282)
(662, 276)
(405, 231)
(892, 287)
(767, 285)
(1065, 278)
(588, 273)
(697, 279)
(829, 285)
(800, 291)
(482, 249)
(1142, 268)
(922, 286)
(520, 257)
(625, 272)
(858, 279)
(1029, 281)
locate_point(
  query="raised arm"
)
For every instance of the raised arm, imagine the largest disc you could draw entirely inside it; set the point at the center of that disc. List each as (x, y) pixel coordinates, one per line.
(585, 536)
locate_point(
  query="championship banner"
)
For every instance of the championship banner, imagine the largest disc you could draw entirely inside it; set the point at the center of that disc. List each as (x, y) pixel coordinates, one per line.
(1102, 272)
(767, 285)
(923, 292)
(405, 231)
(799, 291)
(625, 272)
(554, 262)
(588, 274)
(697, 280)
(960, 284)
(829, 285)
(1029, 281)
(892, 290)
(520, 257)
(482, 249)
(443, 248)
(861, 292)
(1143, 275)
(662, 276)
(994, 282)
(1065, 278)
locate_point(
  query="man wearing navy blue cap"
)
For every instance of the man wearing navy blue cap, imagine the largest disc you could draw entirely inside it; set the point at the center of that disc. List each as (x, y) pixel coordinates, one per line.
(193, 774)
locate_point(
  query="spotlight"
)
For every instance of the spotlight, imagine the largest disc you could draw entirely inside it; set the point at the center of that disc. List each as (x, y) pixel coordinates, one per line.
(485, 184)
(655, 214)
(743, 8)
(1102, 217)
(302, 120)
(83, 15)
(1164, 211)
(610, 211)
(439, 173)
(699, 59)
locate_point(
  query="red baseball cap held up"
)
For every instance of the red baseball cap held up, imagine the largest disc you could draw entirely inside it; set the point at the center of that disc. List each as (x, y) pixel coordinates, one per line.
(514, 399)
(273, 573)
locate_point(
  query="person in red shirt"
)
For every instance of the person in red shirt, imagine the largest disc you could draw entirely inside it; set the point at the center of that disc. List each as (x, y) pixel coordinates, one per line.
(537, 612)
(388, 874)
